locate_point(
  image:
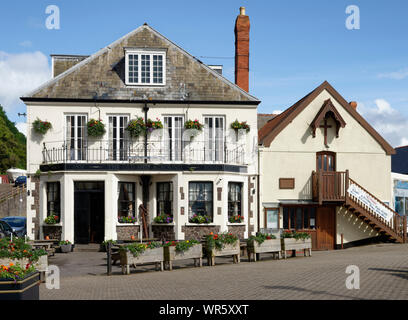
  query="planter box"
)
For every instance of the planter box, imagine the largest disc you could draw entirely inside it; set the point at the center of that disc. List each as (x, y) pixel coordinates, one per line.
(26, 289)
(195, 252)
(228, 250)
(148, 256)
(296, 245)
(272, 245)
(65, 248)
(41, 265)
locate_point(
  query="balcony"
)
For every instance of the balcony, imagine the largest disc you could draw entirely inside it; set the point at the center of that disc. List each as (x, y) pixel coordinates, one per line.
(152, 152)
(329, 186)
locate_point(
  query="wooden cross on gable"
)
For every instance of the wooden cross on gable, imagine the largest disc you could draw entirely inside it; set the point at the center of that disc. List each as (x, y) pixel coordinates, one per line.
(327, 111)
(325, 126)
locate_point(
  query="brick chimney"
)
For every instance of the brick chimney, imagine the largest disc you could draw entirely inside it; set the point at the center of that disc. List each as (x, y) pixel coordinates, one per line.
(242, 50)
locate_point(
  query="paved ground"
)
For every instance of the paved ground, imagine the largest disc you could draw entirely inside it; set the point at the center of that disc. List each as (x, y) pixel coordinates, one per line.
(383, 275)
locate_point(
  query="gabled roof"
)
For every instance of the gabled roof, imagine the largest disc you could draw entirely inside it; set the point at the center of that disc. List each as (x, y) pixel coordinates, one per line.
(328, 107)
(268, 133)
(263, 118)
(102, 76)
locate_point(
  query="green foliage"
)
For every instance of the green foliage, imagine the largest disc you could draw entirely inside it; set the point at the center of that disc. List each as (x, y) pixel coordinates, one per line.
(190, 124)
(12, 145)
(236, 219)
(96, 128)
(136, 127)
(296, 235)
(181, 246)
(19, 249)
(41, 127)
(163, 218)
(196, 218)
(259, 238)
(240, 125)
(16, 272)
(51, 219)
(64, 242)
(218, 241)
(127, 220)
(138, 248)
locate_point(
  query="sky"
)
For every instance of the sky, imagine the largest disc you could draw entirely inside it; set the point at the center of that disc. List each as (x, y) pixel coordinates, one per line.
(295, 45)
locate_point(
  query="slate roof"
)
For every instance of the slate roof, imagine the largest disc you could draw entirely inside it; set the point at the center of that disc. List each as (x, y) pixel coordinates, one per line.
(102, 76)
(263, 118)
(399, 161)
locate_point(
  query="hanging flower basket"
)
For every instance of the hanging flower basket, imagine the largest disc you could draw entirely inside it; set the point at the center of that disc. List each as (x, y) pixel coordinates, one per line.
(190, 124)
(96, 128)
(153, 125)
(41, 126)
(136, 127)
(236, 125)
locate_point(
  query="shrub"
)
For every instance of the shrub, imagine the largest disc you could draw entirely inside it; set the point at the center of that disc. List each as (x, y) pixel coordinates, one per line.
(181, 246)
(296, 235)
(19, 249)
(236, 219)
(16, 272)
(163, 218)
(260, 238)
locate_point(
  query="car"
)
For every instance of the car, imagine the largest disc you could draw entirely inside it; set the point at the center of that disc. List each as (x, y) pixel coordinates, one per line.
(6, 230)
(18, 225)
(20, 181)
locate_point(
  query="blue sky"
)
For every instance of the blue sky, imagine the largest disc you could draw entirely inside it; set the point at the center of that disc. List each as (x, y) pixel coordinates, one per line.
(295, 45)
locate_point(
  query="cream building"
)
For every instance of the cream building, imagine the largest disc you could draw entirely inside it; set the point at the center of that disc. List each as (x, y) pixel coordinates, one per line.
(325, 170)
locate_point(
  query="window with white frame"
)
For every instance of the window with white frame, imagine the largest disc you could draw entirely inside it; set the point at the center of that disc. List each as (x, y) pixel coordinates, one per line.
(145, 67)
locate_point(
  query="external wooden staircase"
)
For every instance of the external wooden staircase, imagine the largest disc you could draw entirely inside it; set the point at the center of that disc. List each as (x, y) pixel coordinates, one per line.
(334, 187)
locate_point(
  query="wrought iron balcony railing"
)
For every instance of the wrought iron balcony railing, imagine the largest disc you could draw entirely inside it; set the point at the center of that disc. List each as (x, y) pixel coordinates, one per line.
(126, 151)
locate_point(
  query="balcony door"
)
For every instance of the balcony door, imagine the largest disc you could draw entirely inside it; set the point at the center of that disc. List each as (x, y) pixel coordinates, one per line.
(118, 144)
(76, 137)
(326, 161)
(174, 144)
(214, 132)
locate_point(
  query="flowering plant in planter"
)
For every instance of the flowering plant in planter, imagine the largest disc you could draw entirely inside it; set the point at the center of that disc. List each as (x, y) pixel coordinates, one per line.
(51, 219)
(236, 219)
(296, 235)
(152, 125)
(16, 272)
(41, 126)
(64, 242)
(218, 241)
(96, 128)
(236, 125)
(127, 220)
(190, 124)
(136, 127)
(19, 249)
(260, 238)
(181, 246)
(200, 219)
(138, 248)
(163, 218)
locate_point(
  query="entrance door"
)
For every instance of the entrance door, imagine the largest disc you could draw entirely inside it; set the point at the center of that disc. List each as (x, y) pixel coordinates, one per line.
(326, 228)
(89, 212)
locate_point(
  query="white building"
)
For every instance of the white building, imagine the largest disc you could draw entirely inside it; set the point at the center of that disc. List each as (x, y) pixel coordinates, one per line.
(90, 183)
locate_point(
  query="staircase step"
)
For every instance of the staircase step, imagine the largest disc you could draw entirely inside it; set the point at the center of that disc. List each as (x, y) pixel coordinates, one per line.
(91, 247)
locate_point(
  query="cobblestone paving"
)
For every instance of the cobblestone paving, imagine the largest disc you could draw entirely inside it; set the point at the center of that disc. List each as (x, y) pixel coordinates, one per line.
(383, 275)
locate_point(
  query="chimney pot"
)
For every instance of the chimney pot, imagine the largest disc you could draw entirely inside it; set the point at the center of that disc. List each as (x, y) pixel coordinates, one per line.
(353, 104)
(242, 11)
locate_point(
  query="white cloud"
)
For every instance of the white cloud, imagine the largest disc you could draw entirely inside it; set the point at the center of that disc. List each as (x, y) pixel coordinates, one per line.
(389, 122)
(396, 75)
(22, 127)
(26, 43)
(19, 74)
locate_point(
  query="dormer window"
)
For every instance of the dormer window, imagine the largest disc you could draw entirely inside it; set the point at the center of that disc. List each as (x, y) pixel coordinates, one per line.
(147, 68)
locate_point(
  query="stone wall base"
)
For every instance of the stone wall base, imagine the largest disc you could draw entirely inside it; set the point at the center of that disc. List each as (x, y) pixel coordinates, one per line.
(198, 232)
(239, 231)
(125, 232)
(165, 231)
(54, 232)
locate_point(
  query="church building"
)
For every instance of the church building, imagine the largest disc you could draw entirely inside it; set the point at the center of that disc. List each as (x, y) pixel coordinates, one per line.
(324, 170)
